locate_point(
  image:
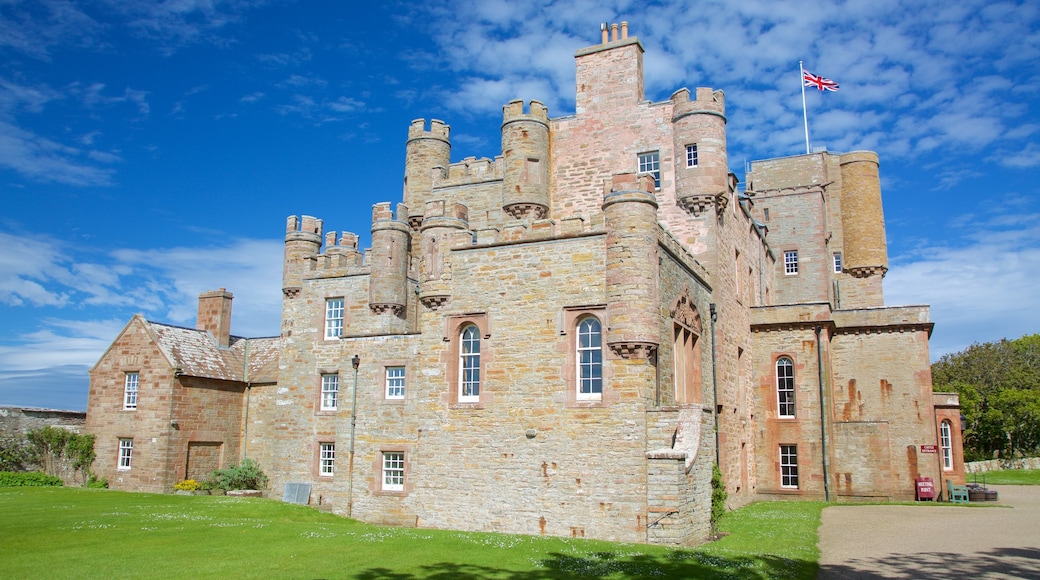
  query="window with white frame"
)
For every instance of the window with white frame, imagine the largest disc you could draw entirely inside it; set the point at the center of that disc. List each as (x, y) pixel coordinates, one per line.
(393, 471)
(946, 443)
(329, 392)
(789, 466)
(790, 262)
(691, 155)
(469, 364)
(334, 318)
(327, 459)
(394, 382)
(590, 359)
(126, 453)
(785, 386)
(130, 385)
(837, 262)
(651, 163)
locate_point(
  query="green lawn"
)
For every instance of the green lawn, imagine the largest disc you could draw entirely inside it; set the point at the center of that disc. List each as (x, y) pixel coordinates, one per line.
(1007, 477)
(78, 533)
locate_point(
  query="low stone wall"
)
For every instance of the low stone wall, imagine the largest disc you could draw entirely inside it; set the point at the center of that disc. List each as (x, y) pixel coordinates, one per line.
(17, 421)
(998, 464)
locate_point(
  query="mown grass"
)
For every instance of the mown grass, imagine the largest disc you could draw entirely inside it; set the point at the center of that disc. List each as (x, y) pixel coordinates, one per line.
(77, 533)
(1007, 477)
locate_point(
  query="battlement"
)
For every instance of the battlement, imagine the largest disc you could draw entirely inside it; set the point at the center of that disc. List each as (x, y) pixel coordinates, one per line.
(438, 130)
(468, 171)
(514, 111)
(382, 212)
(442, 209)
(706, 101)
(307, 225)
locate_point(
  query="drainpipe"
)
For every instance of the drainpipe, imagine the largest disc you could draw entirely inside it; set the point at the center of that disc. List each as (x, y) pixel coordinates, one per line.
(715, 381)
(823, 414)
(356, 361)
(249, 390)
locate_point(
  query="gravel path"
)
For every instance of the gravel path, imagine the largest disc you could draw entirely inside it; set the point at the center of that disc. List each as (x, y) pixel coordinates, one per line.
(999, 540)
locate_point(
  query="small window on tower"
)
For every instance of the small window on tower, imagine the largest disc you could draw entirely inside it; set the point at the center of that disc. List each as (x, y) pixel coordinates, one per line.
(791, 262)
(651, 163)
(837, 262)
(691, 155)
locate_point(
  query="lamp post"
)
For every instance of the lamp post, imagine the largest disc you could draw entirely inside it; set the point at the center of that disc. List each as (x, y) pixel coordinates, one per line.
(356, 361)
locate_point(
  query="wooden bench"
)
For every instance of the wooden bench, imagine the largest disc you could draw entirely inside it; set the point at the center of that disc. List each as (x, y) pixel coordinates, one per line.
(957, 493)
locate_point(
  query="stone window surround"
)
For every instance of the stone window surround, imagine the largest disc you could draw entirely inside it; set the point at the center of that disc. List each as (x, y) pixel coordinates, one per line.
(454, 325)
(376, 483)
(386, 380)
(786, 464)
(570, 317)
(946, 444)
(125, 461)
(776, 376)
(791, 262)
(127, 406)
(322, 374)
(325, 316)
(320, 459)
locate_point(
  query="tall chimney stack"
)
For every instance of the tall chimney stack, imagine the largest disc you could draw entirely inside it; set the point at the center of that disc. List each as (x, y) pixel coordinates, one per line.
(215, 315)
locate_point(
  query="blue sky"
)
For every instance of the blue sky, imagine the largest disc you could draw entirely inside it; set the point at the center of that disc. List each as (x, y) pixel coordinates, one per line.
(150, 151)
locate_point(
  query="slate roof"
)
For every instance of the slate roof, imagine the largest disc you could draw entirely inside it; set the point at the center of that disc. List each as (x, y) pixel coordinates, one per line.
(196, 354)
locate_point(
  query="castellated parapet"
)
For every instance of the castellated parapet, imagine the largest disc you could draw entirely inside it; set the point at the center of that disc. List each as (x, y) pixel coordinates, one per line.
(699, 137)
(424, 150)
(862, 217)
(630, 217)
(525, 149)
(444, 226)
(302, 242)
(388, 283)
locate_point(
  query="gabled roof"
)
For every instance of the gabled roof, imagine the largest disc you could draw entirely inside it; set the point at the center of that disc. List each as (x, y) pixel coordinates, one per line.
(196, 353)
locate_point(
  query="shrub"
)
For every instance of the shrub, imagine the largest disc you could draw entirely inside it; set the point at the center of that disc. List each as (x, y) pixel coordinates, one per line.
(187, 485)
(28, 479)
(244, 475)
(16, 454)
(94, 482)
(61, 452)
(718, 499)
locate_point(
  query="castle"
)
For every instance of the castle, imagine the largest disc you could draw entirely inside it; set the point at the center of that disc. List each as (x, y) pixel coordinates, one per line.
(562, 340)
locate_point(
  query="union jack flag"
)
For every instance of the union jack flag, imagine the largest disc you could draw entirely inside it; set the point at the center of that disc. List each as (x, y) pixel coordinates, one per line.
(819, 82)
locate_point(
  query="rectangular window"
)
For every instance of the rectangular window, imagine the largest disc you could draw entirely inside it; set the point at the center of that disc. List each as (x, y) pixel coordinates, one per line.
(691, 155)
(790, 262)
(785, 387)
(837, 262)
(329, 392)
(328, 459)
(393, 471)
(789, 466)
(469, 364)
(126, 453)
(394, 382)
(130, 391)
(946, 442)
(334, 318)
(651, 163)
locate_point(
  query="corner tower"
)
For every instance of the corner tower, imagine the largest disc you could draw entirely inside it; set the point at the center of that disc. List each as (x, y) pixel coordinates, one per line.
(863, 224)
(699, 138)
(424, 151)
(525, 150)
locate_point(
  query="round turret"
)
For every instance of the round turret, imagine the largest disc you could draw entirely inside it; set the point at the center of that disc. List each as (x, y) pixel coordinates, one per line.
(630, 220)
(302, 242)
(525, 152)
(388, 282)
(865, 251)
(424, 151)
(701, 164)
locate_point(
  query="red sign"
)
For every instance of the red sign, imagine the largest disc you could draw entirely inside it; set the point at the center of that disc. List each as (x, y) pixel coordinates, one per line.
(925, 488)
(929, 449)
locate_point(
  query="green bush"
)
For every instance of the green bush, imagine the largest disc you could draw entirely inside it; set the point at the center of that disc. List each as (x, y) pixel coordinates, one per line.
(28, 479)
(94, 482)
(718, 498)
(16, 454)
(62, 452)
(244, 475)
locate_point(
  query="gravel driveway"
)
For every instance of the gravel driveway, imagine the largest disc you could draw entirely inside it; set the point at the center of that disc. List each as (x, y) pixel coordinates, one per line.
(993, 540)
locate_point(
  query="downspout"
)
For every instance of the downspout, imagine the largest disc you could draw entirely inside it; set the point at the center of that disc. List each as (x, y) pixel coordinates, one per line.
(715, 381)
(249, 390)
(356, 361)
(823, 414)
(939, 459)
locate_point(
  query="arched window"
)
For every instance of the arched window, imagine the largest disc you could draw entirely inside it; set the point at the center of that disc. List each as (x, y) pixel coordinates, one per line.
(946, 443)
(785, 386)
(469, 364)
(590, 359)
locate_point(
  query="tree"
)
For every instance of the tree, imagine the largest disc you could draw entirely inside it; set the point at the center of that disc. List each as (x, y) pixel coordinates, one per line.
(61, 452)
(999, 387)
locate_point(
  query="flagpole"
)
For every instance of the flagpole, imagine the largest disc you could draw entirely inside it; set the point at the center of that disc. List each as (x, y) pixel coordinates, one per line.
(805, 114)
